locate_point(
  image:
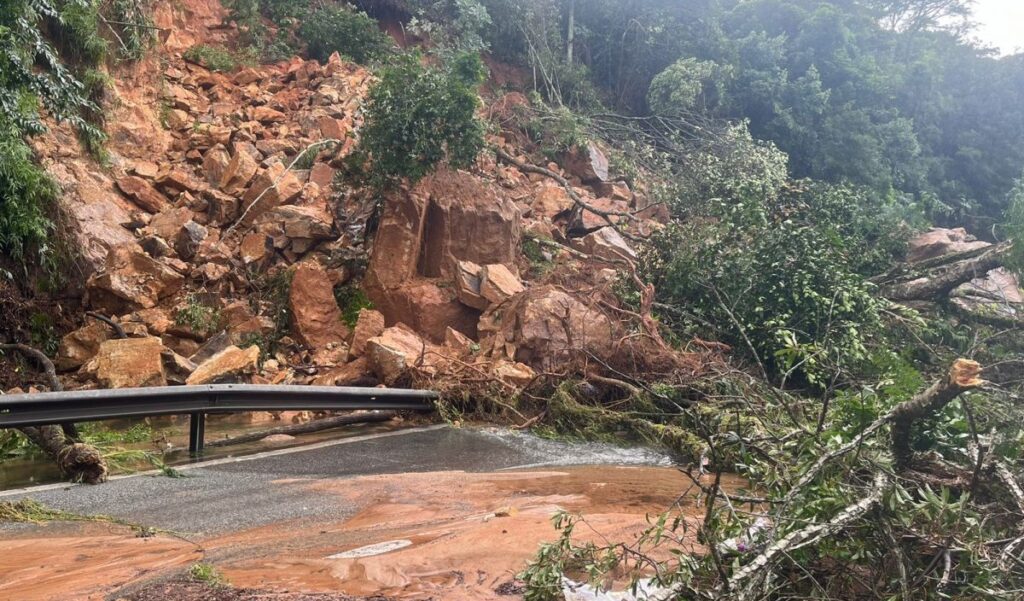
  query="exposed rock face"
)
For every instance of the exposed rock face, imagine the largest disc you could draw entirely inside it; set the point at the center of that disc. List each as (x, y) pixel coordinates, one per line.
(231, 365)
(129, 363)
(131, 280)
(941, 241)
(315, 314)
(545, 328)
(370, 324)
(394, 351)
(78, 347)
(424, 233)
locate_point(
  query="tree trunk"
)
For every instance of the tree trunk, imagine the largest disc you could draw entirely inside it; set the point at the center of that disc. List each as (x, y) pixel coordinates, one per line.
(571, 36)
(936, 287)
(963, 376)
(77, 461)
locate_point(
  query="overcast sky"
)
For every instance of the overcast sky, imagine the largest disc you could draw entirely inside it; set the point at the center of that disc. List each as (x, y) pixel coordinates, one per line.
(1001, 23)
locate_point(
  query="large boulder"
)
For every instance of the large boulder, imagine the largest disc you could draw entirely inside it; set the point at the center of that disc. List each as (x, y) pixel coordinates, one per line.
(78, 347)
(546, 328)
(238, 173)
(498, 283)
(316, 317)
(231, 365)
(941, 241)
(129, 363)
(588, 163)
(424, 234)
(606, 243)
(396, 350)
(131, 280)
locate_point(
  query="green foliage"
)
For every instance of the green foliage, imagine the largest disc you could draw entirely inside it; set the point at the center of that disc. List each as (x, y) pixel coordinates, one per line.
(346, 31)
(198, 315)
(1013, 224)
(453, 26)
(214, 58)
(97, 433)
(27, 195)
(207, 574)
(352, 300)
(418, 116)
(269, 297)
(776, 270)
(687, 85)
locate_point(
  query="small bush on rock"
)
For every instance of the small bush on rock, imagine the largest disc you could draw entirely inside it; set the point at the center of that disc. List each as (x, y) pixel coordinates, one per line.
(419, 116)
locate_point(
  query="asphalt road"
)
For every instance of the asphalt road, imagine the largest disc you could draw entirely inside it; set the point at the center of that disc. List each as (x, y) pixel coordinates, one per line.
(236, 493)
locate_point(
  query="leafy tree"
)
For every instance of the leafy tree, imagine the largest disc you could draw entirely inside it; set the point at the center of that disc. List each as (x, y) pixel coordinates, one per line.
(346, 31)
(418, 116)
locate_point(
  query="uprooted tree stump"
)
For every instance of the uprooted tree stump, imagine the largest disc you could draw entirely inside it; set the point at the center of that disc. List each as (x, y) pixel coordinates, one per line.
(77, 461)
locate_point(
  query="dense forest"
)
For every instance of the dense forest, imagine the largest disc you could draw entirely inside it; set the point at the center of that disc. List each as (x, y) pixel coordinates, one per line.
(775, 161)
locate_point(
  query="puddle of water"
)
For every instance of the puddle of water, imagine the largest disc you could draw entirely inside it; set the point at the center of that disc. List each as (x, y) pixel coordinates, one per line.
(374, 549)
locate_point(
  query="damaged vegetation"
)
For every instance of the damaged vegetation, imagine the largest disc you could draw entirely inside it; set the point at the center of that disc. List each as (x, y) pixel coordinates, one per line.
(645, 223)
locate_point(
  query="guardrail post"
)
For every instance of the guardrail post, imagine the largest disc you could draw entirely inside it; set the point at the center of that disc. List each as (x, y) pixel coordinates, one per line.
(196, 433)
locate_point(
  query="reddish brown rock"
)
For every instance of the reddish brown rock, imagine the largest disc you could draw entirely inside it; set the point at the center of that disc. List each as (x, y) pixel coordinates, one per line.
(606, 243)
(176, 179)
(550, 201)
(142, 193)
(941, 241)
(546, 328)
(129, 363)
(231, 365)
(255, 248)
(316, 317)
(266, 114)
(131, 280)
(78, 347)
(589, 164)
(396, 350)
(498, 283)
(238, 173)
(308, 222)
(468, 283)
(458, 343)
(272, 188)
(215, 163)
(356, 373)
(322, 175)
(428, 308)
(370, 324)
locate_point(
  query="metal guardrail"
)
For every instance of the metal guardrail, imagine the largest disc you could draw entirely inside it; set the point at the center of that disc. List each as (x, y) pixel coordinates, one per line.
(93, 405)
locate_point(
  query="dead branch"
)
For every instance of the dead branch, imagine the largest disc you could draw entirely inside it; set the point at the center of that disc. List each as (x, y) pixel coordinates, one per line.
(808, 535)
(307, 428)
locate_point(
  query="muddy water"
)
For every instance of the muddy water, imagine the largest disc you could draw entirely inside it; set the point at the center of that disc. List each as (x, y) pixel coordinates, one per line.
(444, 535)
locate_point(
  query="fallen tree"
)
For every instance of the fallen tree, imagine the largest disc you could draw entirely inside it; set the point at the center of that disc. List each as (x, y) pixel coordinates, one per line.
(318, 425)
(76, 460)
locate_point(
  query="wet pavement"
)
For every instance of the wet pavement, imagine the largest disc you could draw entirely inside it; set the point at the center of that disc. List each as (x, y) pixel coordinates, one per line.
(227, 495)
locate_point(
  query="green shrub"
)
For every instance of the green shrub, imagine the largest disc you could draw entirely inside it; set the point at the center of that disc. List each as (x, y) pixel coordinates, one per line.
(418, 116)
(27, 197)
(352, 300)
(348, 32)
(214, 58)
(777, 271)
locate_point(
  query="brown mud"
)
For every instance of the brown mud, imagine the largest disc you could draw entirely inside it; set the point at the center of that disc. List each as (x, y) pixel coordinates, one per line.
(465, 537)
